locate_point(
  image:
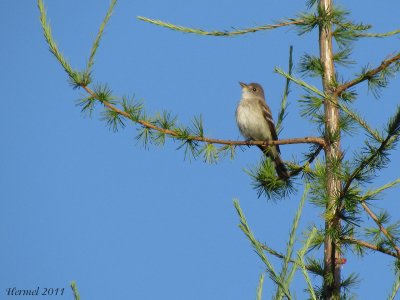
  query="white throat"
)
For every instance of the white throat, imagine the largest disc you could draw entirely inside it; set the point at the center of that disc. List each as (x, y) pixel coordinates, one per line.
(246, 94)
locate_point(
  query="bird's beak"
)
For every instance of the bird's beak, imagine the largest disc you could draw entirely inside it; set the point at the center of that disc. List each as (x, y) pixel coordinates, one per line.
(243, 85)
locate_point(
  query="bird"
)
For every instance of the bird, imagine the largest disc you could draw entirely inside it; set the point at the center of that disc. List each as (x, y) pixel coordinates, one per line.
(255, 122)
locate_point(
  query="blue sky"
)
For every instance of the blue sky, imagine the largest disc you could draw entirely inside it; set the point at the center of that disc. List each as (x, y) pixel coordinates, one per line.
(80, 202)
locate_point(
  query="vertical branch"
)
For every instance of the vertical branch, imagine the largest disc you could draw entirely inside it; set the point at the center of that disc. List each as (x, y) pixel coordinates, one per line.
(282, 112)
(332, 154)
(260, 287)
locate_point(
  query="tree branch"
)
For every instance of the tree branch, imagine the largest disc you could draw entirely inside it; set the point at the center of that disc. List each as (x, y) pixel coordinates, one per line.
(281, 256)
(352, 114)
(385, 34)
(384, 64)
(75, 290)
(381, 227)
(370, 194)
(220, 33)
(297, 21)
(304, 140)
(369, 246)
(362, 165)
(311, 158)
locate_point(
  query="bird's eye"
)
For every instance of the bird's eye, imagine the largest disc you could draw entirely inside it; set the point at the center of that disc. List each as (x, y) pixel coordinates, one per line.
(254, 89)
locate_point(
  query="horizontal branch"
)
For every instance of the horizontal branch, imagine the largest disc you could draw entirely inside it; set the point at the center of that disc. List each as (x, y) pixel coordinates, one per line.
(384, 64)
(303, 140)
(290, 21)
(385, 34)
(369, 246)
(220, 33)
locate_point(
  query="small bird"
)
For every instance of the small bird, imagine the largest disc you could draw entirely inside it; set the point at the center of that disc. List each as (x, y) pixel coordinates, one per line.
(254, 119)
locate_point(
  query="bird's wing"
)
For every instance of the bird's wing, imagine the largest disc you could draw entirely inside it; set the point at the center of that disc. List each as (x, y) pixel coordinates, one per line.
(268, 117)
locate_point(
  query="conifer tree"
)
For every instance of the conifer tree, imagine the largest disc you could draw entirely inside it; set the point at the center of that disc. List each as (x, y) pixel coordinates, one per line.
(337, 182)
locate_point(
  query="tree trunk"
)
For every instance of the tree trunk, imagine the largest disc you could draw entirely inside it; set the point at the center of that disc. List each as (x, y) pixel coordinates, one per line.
(333, 157)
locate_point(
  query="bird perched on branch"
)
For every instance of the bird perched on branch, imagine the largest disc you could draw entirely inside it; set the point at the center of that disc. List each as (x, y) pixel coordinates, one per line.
(254, 119)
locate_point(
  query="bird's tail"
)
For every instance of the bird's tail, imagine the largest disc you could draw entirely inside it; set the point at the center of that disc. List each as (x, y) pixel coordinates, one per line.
(280, 167)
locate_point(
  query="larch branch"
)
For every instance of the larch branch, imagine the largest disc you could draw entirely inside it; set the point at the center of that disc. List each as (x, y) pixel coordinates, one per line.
(303, 140)
(385, 34)
(370, 246)
(311, 158)
(291, 21)
(381, 227)
(220, 33)
(281, 256)
(362, 165)
(384, 64)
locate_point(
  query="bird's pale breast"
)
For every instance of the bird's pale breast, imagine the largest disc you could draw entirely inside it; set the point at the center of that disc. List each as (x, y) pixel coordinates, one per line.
(251, 122)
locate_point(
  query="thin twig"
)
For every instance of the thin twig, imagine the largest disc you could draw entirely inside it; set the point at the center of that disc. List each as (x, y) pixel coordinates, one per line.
(260, 287)
(308, 162)
(395, 288)
(300, 255)
(385, 34)
(286, 91)
(304, 140)
(300, 82)
(381, 227)
(362, 165)
(75, 290)
(384, 64)
(259, 250)
(220, 33)
(370, 194)
(248, 30)
(99, 35)
(373, 132)
(281, 256)
(369, 246)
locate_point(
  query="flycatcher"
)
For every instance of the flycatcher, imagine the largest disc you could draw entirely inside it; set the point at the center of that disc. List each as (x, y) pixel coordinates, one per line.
(254, 119)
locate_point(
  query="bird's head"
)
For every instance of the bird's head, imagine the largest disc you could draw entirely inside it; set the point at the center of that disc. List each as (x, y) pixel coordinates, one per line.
(252, 90)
